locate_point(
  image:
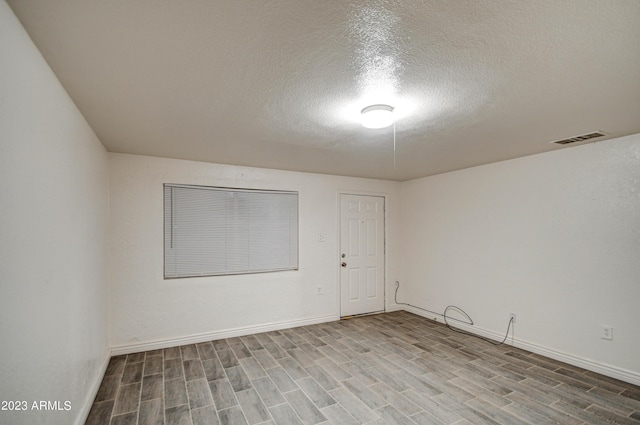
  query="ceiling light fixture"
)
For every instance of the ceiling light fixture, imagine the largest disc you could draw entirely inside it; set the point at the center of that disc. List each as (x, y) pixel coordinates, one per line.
(377, 116)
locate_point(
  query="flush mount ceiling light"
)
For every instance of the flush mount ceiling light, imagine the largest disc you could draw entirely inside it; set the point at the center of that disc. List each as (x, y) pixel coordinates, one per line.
(377, 116)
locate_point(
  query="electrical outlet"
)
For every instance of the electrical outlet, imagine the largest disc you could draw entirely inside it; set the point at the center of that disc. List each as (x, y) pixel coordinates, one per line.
(319, 292)
(322, 237)
(512, 317)
(607, 332)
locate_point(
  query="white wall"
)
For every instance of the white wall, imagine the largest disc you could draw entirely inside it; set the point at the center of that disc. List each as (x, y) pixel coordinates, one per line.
(554, 238)
(147, 309)
(53, 224)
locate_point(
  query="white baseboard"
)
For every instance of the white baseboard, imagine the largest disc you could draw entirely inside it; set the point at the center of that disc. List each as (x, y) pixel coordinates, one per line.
(603, 369)
(210, 336)
(93, 391)
(394, 307)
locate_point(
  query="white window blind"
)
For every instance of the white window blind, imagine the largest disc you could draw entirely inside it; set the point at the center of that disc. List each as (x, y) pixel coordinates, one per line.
(218, 231)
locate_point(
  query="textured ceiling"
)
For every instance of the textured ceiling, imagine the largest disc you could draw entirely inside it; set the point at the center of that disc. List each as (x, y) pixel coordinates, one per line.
(280, 84)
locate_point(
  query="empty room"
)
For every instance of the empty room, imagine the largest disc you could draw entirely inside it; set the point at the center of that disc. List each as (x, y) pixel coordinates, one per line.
(319, 212)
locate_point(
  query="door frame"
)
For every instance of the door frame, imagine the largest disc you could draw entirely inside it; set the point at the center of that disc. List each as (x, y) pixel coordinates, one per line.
(339, 194)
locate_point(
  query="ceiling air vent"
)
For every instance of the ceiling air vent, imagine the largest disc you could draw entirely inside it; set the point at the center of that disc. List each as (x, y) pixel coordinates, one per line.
(577, 139)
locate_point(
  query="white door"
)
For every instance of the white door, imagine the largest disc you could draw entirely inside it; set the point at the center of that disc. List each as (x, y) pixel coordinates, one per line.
(362, 254)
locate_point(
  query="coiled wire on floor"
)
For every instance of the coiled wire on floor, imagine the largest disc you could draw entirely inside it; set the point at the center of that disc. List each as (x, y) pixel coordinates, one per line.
(461, 311)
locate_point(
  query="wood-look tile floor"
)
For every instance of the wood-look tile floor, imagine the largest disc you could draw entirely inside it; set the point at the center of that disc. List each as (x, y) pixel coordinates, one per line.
(393, 368)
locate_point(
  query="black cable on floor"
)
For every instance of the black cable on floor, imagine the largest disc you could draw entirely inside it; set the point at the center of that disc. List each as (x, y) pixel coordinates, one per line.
(459, 310)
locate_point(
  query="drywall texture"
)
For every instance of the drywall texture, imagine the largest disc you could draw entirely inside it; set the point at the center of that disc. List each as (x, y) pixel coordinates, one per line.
(554, 238)
(146, 308)
(53, 215)
(280, 84)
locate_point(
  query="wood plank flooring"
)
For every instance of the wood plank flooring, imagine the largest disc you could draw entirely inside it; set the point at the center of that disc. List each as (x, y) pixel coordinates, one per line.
(393, 368)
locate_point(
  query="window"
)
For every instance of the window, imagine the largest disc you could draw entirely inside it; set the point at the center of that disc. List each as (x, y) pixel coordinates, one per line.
(218, 231)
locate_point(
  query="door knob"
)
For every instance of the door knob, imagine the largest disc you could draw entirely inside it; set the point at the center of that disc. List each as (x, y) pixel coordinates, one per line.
(344, 264)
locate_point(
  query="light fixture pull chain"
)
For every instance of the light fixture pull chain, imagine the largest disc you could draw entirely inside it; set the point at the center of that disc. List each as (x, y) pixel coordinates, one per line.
(394, 145)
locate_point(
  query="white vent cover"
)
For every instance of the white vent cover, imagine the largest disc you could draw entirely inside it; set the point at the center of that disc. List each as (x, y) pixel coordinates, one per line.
(581, 138)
